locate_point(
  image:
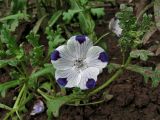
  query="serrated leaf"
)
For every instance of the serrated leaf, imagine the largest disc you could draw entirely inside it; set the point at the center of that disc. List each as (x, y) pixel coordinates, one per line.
(36, 55)
(83, 2)
(33, 39)
(54, 105)
(112, 67)
(11, 62)
(67, 16)
(99, 12)
(7, 38)
(55, 38)
(14, 25)
(19, 15)
(48, 69)
(143, 54)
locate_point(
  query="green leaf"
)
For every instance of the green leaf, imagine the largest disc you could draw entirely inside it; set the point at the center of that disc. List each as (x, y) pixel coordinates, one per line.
(7, 38)
(99, 12)
(55, 38)
(37, 26)
(18, 5)
(83, 2)
(46, 86)
(36, 55)
(54, 18)
(3, 106)
(19, 15)
(54, 105)
(86, 23)
(143, 54)
(33, 39)
(7, 85)
(67, 16)
(47, 69)
(11, 62)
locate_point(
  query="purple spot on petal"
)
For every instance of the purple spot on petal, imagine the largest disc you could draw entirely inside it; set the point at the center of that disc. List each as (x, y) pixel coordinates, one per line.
(81, 38)
(91, 83)
(55, 55)
(62, 81)
(103, 57)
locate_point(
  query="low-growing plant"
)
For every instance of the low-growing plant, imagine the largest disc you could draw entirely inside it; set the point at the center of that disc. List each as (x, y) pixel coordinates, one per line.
(29, 62)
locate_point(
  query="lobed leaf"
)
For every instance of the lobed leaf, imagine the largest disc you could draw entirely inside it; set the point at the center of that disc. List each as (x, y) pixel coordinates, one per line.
(143, 54)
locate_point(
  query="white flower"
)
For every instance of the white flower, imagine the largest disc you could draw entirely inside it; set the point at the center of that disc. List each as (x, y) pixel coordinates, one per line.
(37, 108)
(78, 63)
(115, 27)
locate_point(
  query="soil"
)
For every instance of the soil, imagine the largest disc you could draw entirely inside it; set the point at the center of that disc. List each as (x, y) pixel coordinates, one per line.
(132, 98)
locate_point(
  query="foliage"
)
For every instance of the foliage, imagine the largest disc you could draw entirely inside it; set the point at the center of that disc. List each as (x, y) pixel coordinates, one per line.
(132, 30)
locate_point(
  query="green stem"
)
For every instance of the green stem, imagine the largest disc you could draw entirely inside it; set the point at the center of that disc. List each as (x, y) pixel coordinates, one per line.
(92, 103)
(123, 59)
(18, 115)
(19, 70)
(119, 72)
(9, 114)
(19, 97)
(104, 35)
(24, 69)
(3, 106)
(43, 94)
(15, 107)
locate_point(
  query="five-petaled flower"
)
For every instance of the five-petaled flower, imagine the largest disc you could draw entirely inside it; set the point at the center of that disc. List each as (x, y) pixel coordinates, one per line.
(78, 63)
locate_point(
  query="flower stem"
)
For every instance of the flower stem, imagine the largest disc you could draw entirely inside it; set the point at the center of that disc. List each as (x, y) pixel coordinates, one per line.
(104, 35)
(92, 103)
(16, 105)
(19, 97)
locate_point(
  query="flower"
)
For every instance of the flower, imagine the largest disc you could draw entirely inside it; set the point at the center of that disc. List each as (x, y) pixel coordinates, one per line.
(78, 63)
(37, 108)
(115, 27)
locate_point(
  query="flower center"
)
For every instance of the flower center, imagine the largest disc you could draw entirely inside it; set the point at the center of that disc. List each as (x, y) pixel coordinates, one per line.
(78, 63)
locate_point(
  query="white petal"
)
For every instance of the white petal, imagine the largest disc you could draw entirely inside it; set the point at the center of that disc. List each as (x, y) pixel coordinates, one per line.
(64, 53)
(78, 46)
(37, 108)
(70, 75)
(62, 64)
(115, 27)
(118, 29)
(89, 74)
(64, 60)
(94, 57)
